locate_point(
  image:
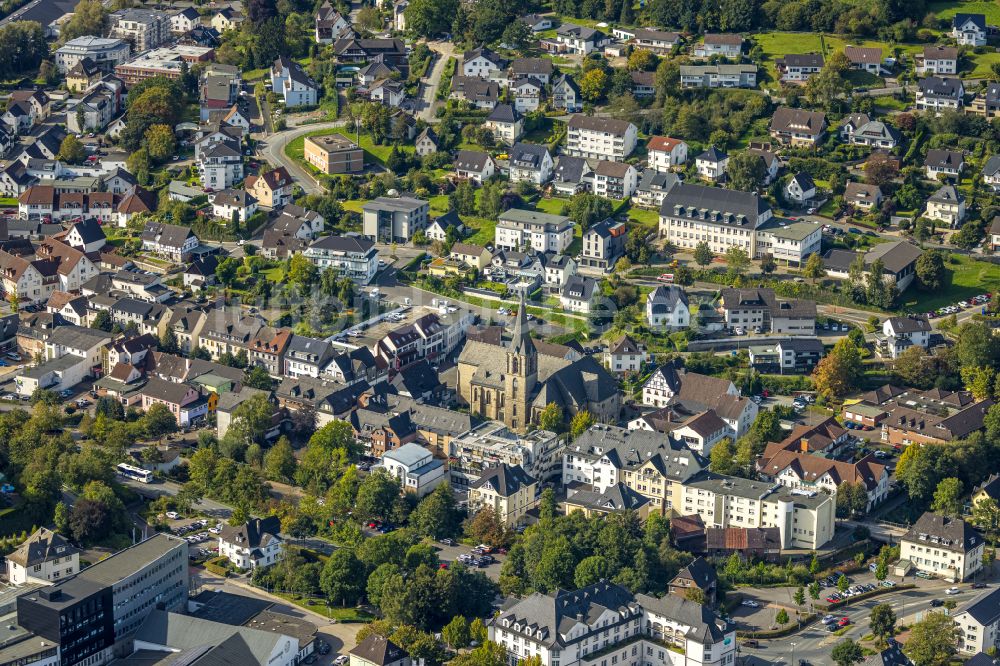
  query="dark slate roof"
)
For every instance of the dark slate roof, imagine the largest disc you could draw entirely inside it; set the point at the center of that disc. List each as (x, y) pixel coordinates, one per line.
(941, 86)
(471, 160)
(692, 199)
(617, 497)
(254, 533)
(503, 113)
(42, 546)
(504, 479)
(379, 650)
(804, 180)
(943, 159)
(984, 609)
(713, 154)
(528, 155)
(979, 20)
(570, 169)
(802, 60)
(952, 533)
(701, 572)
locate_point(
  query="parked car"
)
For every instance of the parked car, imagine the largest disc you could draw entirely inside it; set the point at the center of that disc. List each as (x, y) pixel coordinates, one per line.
(843, 622)
(936, 602)
(952, 591)
(750, 603)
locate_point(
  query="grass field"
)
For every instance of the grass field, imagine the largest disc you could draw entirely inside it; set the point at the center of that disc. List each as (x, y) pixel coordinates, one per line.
(485, 230)
(968, 278)
(276, 274)
(947, 10)
(982, 65)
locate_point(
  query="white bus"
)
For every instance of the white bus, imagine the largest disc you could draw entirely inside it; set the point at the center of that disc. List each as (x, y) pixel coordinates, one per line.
(130, 472)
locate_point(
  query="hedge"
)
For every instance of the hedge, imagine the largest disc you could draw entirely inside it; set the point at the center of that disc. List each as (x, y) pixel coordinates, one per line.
(218, 565)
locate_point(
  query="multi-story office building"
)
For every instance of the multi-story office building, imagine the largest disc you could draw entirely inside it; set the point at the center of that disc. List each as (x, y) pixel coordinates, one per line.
(92, 615)
(605, 624)
(105, 53)
(394, 219)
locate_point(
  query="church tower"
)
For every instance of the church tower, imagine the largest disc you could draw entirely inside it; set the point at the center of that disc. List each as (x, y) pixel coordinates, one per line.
(522, 374)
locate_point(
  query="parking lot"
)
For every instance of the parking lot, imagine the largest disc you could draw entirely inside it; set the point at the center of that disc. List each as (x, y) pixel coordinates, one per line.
(975, 302)
(457, 552)
(200, 533)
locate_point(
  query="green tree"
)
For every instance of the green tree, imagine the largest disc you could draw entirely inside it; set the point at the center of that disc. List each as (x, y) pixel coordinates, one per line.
(814, 590)
(377, 579)
(591, 570)
(843, 583)
(800, 596)
(138, 164)
(986, 516)
(71, 150)
(301, 271)
(721, 457)
(846, 652)
(158, 421)
(456, 633)
(747, 171)
(90, 17)
(343, 577)
(930, 271)
(376, 495)
(767, 263)
(782, 617)
(948, 497)
(882, 621)
(933, 640)
(703, 254)
(838, 371)
(814, 565)
(279, 461)
(580, 423)
(594, 85)
(551, 418)
(737, 259)
(881, 570)
(438, 515)
(814, 267)
(160, 143)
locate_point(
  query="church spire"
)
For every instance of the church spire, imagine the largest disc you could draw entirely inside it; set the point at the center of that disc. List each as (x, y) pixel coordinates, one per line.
(520, 327)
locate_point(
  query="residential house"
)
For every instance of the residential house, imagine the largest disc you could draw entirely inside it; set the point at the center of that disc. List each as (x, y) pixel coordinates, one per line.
(566, 94)
(528, 94)
(83, 75)
(578, 294)
(256, 543)
(44, 558)
(876, 134)
(947, 163)
(863, 196)
(329, 24)
(978, 622)
(901, 333)
(798, 127)
(290, 81)
(653, 187)
(350, 256)
(698, 574)
(542, 232)
(810, 472)
(426, 143)
(508, 490)
(991, 172)
(530, 162)
(667, 308)
(987, 103)
(183, 400)
(169, 240)
(185, 20)
(540, 69)
(800, 188)
(615, 180)
(578, 39)
(718, 76)
(940, 93)
(572, 175)
(969, 29)
(625, 355)
(799, 67)
(759, 309)
(947, 205)
(474, 165)
(946, 547)
(712, 164)
(603, 246)
(660, 42)
(234, 205)
(506, 124)
(479, 93)
(376, 650)
(272, 188)
(937, 60)
(482, 63)
(691, 214)
(729, 46)
(665, 153)
(865, 58)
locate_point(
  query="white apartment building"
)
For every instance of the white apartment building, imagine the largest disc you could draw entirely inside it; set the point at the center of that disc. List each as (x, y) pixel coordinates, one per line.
(946, 547)
(606, 624)
(595, 137)
(804, 518)
(542, 232)
(979, 623)
(106, 53)
(665, 153)
(667, 307)
(691, 214)
(353, 256)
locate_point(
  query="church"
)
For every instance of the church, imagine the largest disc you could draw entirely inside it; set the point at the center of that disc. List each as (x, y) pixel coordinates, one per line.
(513, 379)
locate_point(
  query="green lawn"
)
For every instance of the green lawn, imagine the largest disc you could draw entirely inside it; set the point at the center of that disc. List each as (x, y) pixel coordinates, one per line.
(373, 152)
(439, 204)
(485, 230)
(968, 278)
(337, 613)
(947, 10)
(553, 206)
(644, 217)
(276, 274)
(982, 65)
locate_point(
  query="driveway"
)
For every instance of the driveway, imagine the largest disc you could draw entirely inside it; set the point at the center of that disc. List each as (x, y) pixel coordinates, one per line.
(430, 84)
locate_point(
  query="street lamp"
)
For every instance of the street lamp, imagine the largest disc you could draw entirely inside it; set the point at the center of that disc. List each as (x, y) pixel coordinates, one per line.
(793, 653)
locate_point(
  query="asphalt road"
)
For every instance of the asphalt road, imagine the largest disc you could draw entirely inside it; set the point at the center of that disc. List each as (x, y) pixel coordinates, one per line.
(814, 643)
(170, 488)
(431, 83)
(273, 152)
